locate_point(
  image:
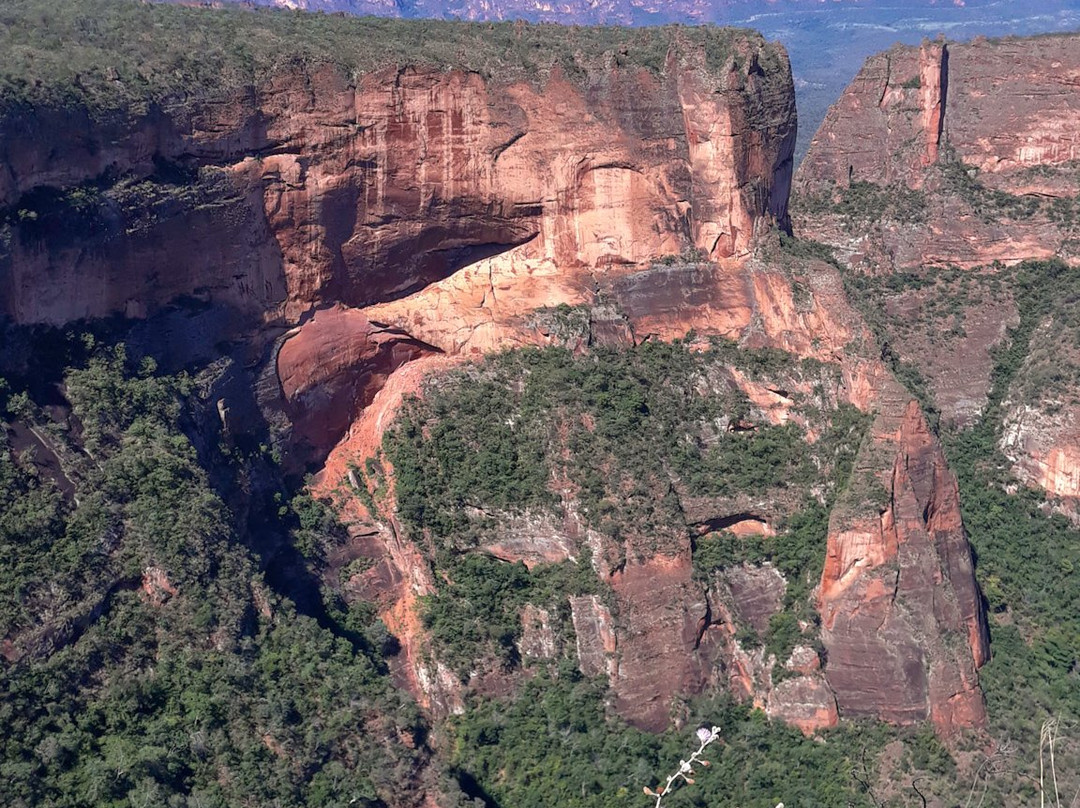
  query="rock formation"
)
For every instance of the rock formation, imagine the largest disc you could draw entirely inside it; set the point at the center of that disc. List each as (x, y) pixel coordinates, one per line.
(364, 192)
(902, 618)
(364, 231)
(984, 129)
(1041, 422)
(981, 142)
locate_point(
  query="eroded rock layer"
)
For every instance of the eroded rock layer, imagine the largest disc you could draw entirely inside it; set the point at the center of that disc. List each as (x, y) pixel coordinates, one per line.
(981, 171)
(392, 224)
(983, 132)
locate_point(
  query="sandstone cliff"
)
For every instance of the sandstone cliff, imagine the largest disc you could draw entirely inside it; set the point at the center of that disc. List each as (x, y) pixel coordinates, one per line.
(981, 173)
(312, 188)
(374, 226)
(362, 191)
(979, 132)
(902, 620)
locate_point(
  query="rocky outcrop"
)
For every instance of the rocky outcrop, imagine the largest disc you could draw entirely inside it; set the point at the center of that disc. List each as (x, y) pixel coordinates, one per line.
(363, 191)
(649, 595)
(746, 598)
(538, 639)
(1001, 106)
(902, 618)
(1001, 186)
(1041, 423)
(664, 618)
(983, 129)
(895, 106)
(400, 220)
(330, 369)
(595, 634)
(398, 574)
(805, 702)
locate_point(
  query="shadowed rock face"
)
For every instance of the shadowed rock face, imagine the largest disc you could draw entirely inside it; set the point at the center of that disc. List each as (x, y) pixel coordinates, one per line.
(365, 192)
(330, 369)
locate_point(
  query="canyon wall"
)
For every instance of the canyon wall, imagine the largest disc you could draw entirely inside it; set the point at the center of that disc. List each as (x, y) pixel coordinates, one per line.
(980, 174)
(983, 130)
(329, 190)
(374, 228)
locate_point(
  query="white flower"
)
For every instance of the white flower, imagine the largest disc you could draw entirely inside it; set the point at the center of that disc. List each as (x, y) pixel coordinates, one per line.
(704, 734)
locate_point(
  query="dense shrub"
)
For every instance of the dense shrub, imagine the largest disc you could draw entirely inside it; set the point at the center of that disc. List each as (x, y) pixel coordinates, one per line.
(123, 55)
(115, 697)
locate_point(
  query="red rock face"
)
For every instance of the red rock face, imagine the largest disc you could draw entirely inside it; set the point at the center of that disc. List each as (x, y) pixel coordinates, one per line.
(933, 84)
(327, 191)
(374, 190)
(330, 369)
(417, 217)
(1004, 116)
(1002, 106)
(902, 619)
(650, 640)
(1002, 113)
(805, 702)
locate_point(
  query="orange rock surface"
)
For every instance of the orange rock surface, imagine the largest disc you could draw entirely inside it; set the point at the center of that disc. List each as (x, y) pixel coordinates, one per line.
(986, 130)
(897, 590)
(395, 225)
(364, 192)
(330, 369)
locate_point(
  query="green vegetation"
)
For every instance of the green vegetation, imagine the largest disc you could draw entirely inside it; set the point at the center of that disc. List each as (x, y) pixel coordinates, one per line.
(478, 611)
(568, 325)
(989, 204)
(912, 312)
(112, 207)
(798, 552)
(860, 202)
(184, 694)
(1040, 288)
(807, 250)
(555, 745)
(1026, 556)
(625, 428)
(993, 205)
(122, 55)
(199, 697)
(633, 434)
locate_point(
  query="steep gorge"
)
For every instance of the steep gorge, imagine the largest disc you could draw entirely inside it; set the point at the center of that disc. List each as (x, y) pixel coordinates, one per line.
(369, 237)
